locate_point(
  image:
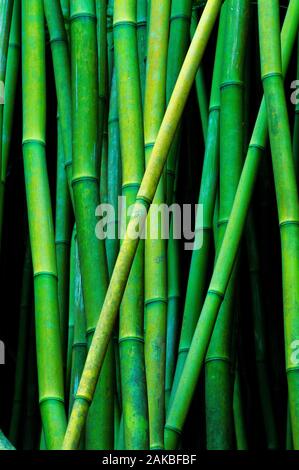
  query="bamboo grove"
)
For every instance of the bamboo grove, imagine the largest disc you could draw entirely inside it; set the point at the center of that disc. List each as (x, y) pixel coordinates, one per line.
(124, 326)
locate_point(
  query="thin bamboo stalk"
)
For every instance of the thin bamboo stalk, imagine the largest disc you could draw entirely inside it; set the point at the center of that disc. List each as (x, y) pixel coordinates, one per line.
(259, 335)
(62, 72)
(72, 307)
(142, 13)
(155, 248)
(11, 76)
(114, 174)
(200, 81)
(86, 198)
(285, 187)
(227, 254)
(110, 44)
(196, 287)
(218, 363)
(50, 373)
(239, 421)
(131, 345)
(62, 239)
(296, 123)
(129, 246)
(25, 309)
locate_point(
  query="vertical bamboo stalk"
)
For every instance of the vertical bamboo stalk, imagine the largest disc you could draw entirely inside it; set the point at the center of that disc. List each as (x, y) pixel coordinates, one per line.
(142, 13)
(86, 198)
(25, 308)
(128, 249)
(101, 10)
(239, 421)
(286, 190)
(50, 373)
(62, 72)
(131, 312)
(155, 248)
(11, 76)
(227, 254)
(209, 183)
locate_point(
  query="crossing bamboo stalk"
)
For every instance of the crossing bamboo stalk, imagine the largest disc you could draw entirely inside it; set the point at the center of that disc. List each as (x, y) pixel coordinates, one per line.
(145, 196)
(131, 343)
(227, 254)
(50, 373)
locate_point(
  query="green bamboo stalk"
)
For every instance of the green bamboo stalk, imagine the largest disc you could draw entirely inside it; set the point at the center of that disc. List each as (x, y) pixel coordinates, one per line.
(196, 287)
(11, 76)
(142, 9)
(131, 347)
(25, 305)
(62, 72)
(6, 8)
(239, 422)
(62, 239)
(65, 8)
(155, 248)
(110, 44)
(200, 81)
(227, 254)
(286, 189)
(218, 364)
(129, 246)
(114, 174)
(86, 198)
(296, 123)
(72, 307)
(259, 335)
(79, 341)
(50, 373)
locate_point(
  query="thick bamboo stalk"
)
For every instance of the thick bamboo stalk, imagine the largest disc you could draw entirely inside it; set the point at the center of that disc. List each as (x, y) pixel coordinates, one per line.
(62, 72)
(86, 196)
(155, 249)
(50, 373)
(128, 249)
(11, 76)
(286, 190)
(218, 364)
(142, 15)
(25, 309)
(227, 254)
(62, 239)
(131, 345)
(101, 10)
(196, 286)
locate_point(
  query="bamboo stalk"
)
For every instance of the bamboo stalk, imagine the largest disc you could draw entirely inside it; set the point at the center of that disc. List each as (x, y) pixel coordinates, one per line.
(227, 253)
(50, 374)
(62, 239)
(129, 245)
(155, 248)
(131, 345)
(239, 421)
(25, 308)
(285, 187)
(218, 363)
(62, 72)
(101, 9)
(142, 14)
(11, 76)
(200, 81)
